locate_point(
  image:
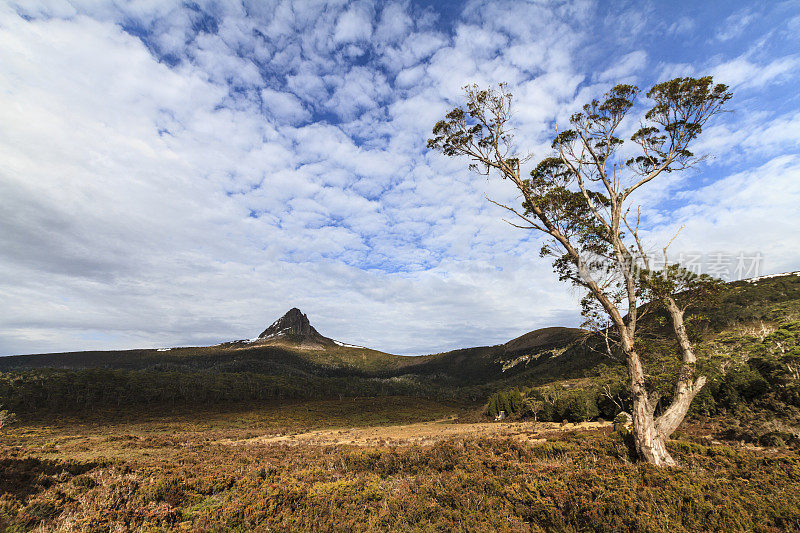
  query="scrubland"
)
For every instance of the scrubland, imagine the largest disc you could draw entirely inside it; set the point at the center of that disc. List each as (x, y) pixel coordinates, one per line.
(218, 470)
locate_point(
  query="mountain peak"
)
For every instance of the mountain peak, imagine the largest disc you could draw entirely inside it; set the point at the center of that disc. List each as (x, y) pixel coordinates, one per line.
(294, 322)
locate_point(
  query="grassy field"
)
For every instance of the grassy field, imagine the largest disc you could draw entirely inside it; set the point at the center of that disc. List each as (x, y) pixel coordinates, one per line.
(205, 471)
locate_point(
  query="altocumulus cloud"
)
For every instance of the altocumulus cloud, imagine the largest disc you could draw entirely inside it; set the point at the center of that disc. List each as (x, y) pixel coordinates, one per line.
(182, 173)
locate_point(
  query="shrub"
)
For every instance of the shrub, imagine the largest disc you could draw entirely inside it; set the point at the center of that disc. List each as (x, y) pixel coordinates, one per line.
(704, 403)
(742, 384)
(84, 482)
(171, 491)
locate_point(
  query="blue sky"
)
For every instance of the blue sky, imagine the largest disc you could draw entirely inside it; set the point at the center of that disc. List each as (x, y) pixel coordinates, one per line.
(184, 173)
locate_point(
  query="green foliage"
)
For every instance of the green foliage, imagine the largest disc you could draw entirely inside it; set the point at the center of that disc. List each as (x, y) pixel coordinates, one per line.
(581, 407)
(704, 404)
(740, 384)
(6, 417)
(49, 390)
(555, 404)
(510, 401)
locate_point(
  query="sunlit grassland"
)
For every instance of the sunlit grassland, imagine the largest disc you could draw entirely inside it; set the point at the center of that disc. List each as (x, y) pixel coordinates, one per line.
(110, 433)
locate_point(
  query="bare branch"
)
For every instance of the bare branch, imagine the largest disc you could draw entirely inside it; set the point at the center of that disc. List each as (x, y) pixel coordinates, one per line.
(532, 224)
(666, 262)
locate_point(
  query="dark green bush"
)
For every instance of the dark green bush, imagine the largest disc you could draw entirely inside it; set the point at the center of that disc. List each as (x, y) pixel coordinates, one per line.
(741, 384)
(510, 401)
(556, 404)
(580, 406)
(704, 404)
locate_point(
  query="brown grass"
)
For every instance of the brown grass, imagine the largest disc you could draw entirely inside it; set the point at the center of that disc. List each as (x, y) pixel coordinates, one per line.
(225, 470)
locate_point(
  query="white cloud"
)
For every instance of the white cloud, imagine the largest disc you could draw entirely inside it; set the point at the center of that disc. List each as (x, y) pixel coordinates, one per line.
(683, 25)
(286, 107)
(624, 67)
(734, 25)
(355, 24)
(752, 134)
(753, 211)
(395, 23)
(743, 73)
(358, 90)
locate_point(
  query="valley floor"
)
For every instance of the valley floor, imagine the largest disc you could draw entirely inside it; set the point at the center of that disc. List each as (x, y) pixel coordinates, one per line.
(373, 464)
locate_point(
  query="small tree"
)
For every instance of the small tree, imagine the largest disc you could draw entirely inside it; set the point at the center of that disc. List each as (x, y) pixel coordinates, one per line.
(581, 198)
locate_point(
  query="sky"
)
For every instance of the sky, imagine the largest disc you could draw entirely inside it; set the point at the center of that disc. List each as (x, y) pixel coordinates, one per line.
(177, 174)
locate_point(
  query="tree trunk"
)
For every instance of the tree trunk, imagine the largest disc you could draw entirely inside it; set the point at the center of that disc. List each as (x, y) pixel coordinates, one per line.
(687, 387)
(650, 434)
(649, 441)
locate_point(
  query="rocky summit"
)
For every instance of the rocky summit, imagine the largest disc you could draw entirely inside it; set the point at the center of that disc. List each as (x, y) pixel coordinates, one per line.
(294, 322)
(295, 328)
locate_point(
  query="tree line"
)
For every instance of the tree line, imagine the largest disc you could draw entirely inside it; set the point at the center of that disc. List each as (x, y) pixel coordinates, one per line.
(59, 390)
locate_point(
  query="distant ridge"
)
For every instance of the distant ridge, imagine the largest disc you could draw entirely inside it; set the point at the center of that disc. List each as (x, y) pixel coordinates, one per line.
(543, 338)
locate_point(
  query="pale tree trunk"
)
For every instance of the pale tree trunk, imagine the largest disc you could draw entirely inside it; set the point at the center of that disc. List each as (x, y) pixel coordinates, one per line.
(687, 387)
(649, 441)
(649, 433)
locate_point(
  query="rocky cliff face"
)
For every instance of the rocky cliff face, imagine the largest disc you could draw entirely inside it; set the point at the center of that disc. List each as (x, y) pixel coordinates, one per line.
(294, 322)
(295, 328)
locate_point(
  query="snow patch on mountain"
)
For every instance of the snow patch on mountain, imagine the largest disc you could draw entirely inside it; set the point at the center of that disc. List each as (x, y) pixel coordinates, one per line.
(759, 278)
(349, 345)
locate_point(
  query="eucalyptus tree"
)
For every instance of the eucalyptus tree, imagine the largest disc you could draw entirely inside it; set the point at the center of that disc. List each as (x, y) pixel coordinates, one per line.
(582, 198)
